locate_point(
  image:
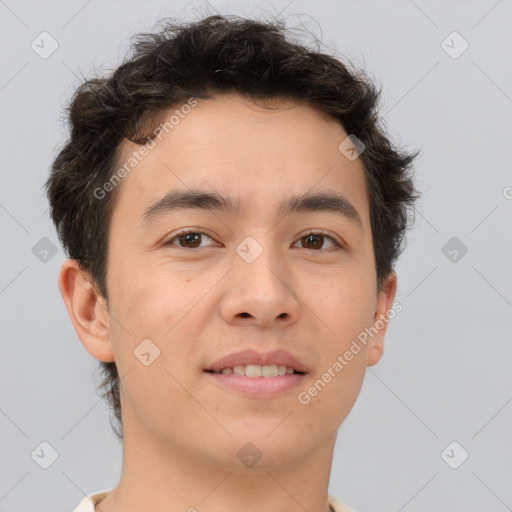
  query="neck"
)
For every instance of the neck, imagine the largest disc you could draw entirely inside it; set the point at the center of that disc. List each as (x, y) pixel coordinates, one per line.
(161, 477)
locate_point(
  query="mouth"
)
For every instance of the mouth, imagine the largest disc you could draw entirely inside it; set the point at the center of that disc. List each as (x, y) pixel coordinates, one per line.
(252, 363)
(256, 370)
(258, 375)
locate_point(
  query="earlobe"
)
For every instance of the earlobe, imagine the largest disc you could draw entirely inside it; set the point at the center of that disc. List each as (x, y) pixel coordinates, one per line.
(380, 318)
(87, 310)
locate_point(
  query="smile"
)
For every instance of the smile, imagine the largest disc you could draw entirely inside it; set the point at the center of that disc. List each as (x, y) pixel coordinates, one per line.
(256, 370)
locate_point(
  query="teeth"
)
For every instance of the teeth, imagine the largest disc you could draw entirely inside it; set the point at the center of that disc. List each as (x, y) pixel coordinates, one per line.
(255, 370)
(282, 370)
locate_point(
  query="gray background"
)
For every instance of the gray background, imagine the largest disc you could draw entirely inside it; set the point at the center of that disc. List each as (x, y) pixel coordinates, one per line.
(445, 375)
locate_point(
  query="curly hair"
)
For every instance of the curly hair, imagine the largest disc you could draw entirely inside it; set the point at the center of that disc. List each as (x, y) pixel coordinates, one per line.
(204, 59)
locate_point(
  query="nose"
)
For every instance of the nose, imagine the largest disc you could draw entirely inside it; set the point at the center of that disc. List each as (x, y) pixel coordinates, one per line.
(261, 293)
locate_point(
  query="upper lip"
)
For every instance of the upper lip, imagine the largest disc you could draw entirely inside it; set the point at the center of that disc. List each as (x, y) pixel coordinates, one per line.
(245, 357)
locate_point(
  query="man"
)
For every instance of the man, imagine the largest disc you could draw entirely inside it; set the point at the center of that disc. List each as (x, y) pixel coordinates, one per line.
(232, 213)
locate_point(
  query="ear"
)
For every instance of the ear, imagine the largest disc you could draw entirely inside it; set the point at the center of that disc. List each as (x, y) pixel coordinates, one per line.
(87, 310)
(380, 319)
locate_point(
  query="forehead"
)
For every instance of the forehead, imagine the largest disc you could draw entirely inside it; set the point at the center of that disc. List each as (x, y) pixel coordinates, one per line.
(256, 155)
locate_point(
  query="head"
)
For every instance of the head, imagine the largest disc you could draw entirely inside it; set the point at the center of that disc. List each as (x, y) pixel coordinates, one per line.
(247, 132)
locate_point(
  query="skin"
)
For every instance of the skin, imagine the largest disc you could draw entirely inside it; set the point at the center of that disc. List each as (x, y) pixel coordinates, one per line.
(182, 431)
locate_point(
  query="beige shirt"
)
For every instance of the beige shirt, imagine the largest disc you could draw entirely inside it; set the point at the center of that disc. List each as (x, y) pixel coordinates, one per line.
(88, 503)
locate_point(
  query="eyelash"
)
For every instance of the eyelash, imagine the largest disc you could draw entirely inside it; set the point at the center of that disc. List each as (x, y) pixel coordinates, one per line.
(191, 231)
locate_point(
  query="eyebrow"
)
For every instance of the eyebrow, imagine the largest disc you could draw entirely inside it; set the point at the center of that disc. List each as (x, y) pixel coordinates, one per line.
(216, 202)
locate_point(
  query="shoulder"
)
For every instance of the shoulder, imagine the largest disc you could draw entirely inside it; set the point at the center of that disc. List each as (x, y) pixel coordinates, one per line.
(338, 506)
(88, 503)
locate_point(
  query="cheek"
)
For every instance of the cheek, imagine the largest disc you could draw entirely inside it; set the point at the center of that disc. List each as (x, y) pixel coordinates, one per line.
(344, 304)
(150, 300)
(153, 307)
(341, 306)
(333, 389)
(161, 306)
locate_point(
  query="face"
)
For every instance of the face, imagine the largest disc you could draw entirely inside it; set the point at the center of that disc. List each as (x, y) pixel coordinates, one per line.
(198, 284)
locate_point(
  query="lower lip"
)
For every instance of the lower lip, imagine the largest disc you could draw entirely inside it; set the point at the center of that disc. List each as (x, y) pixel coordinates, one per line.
(259, 386)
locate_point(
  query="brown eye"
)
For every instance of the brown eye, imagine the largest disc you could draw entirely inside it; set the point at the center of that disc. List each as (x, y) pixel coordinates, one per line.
(194, 239)
(316, 241)
(188, 240)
